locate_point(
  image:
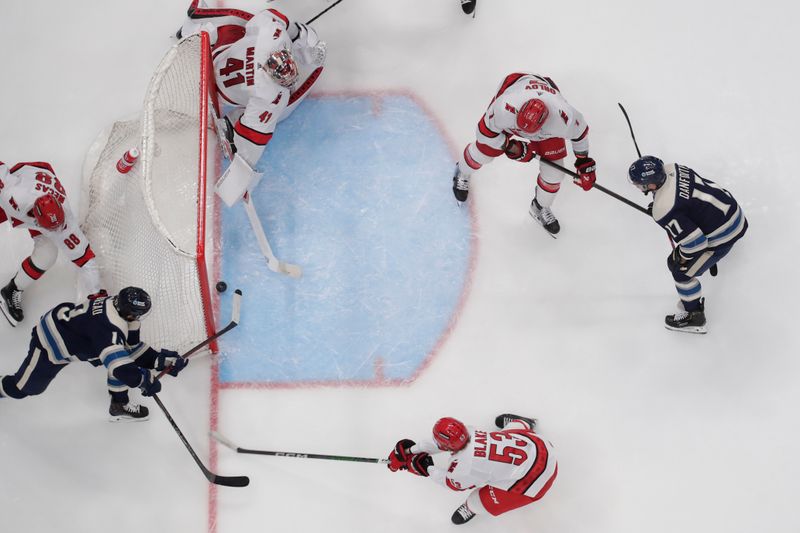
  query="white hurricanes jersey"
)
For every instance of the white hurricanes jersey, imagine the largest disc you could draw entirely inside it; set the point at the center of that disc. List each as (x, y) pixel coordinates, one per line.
(514, 459)
(242, 81)
(20, 186)
(563, 121)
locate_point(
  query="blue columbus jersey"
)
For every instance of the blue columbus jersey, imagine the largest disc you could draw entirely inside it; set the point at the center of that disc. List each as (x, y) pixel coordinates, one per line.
(697, 213)
(92, 331)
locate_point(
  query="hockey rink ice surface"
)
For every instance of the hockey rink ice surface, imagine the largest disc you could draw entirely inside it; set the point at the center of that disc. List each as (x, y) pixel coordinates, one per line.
(411, 308)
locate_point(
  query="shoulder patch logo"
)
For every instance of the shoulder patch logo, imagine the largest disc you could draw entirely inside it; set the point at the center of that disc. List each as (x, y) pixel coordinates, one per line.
(564, 116)
(511, 109)
(277, 34)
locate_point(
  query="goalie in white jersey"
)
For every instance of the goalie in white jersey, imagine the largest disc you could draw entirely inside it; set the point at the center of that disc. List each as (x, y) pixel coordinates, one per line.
(264, 65)
(32, 198)
(529, 116)
(504, 469)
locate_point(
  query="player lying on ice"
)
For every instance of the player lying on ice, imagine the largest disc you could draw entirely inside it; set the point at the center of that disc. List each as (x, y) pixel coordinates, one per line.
(103, 331)
(702, 219)
(529, 116)
(32, 198)
(504, 469)
(264, 66)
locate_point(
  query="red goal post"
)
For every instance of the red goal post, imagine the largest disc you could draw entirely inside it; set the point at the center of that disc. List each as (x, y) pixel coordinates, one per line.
(152, 226)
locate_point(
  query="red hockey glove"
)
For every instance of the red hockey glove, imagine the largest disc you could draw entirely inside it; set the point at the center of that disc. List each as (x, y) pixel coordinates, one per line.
(398, 458)
(419, 464)
(519, 151)
(586, 168)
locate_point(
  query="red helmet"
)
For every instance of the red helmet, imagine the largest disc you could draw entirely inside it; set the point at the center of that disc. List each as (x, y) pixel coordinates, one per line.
(48, 212)
(450, 434)
(532, 115)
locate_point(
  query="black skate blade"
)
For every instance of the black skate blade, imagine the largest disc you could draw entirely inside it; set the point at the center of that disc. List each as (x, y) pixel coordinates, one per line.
(688, 329)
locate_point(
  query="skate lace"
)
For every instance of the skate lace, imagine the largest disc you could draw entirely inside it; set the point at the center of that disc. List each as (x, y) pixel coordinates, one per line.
(16, 298)
(131, 408)
(681, 315)
(547, 215)
(462, 182)
(465, 512)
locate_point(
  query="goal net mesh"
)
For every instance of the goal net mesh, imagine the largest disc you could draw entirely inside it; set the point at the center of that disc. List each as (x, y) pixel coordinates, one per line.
(147, 227)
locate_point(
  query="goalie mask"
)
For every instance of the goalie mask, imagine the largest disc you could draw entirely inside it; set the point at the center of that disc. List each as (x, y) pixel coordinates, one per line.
(281, 67)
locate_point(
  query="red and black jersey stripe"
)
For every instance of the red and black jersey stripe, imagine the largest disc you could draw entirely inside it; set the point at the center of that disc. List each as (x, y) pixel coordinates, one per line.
(485, 149)
(484, 129)
(582, 135)
(255, 137)
(539, 465)
(85, 258)
(37, 164)
(32, 270)
(303, 89)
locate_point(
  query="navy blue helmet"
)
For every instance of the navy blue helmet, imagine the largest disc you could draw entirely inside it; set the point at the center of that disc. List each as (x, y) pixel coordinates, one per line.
(646, 170)
(132, 303)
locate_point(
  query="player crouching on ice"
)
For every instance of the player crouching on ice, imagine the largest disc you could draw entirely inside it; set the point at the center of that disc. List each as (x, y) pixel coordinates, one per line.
(103, 331)
(702, 219)
(264, 66)
(531, 108)
(506, 469)
(32, 198)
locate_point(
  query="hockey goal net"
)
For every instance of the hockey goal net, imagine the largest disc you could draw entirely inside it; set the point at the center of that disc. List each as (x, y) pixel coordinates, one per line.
(148, 226)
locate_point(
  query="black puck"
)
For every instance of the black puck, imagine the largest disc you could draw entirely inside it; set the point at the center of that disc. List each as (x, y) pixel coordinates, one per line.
(222, 286)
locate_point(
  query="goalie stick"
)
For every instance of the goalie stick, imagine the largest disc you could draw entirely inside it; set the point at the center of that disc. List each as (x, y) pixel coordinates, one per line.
(227, 481)
(318, 15)
(236, 305)
(226, 442)
(274, 264)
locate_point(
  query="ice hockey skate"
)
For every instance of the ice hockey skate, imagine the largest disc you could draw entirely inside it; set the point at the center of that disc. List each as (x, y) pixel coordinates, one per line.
(468, 6)
(460, 185)
(11, 303)
(545, 217)
(502, 420)
(462, 515)
(127, 412)
(688, 321)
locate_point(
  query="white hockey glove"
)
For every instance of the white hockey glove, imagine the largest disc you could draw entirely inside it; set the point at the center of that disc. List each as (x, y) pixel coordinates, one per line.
(307, 45)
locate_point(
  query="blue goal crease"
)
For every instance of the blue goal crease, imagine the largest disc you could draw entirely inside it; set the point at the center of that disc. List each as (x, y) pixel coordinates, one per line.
(360, 197)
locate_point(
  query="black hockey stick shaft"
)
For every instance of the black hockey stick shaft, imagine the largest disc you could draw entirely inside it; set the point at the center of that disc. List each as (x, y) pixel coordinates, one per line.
(318, 15)
(595, 186)
(630, 127)
(227, 481)
(236, 305)
(222, 440)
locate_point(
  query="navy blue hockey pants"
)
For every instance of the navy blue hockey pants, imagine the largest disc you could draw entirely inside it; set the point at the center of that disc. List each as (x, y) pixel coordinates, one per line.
(34, 375)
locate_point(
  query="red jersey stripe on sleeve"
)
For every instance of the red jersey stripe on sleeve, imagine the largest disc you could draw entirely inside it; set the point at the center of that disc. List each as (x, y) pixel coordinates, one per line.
(485, 149)
(582, 135)
(37, 164)
(484, 129)
(539, 465)
(510, 80)
(280, 16)
(255, 137)
(85, 258)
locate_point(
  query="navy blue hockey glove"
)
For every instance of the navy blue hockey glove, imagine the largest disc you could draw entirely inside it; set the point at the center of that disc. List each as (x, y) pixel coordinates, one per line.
(149, 384)
(676, 262)
(419, 464)
(170, 361)
(398, 458)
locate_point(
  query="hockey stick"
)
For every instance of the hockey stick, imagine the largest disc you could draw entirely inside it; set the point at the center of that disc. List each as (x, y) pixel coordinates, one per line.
(595, 186)
(713, 268)
(318, 15)
(236, 305)
(226, 442)
(227, 481)
(273, 263)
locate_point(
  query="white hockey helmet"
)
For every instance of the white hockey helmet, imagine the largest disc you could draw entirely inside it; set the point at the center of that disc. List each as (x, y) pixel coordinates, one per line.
(281, 67)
